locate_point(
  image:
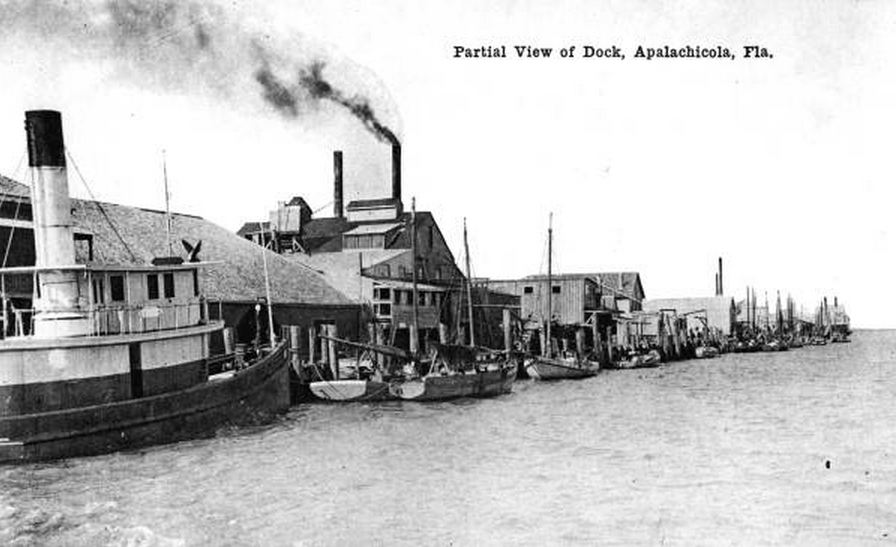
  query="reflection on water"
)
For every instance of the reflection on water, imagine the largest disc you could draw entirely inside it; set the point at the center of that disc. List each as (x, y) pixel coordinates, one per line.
(773, 448)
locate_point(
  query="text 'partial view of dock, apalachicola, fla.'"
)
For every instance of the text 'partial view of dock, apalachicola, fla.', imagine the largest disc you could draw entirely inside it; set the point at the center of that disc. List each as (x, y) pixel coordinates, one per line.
(125, 327)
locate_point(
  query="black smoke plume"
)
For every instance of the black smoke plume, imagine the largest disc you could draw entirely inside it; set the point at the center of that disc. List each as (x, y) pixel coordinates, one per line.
(187, 46)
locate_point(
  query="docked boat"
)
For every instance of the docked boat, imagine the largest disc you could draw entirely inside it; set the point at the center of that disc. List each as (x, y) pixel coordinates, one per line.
(560, 368)
(651, 359)
(116, 357)
(706, 352)
(370, 385)
(547, 366)
(456, 371)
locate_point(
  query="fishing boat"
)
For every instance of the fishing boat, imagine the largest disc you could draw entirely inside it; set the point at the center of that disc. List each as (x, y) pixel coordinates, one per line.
(116, 357)
(370, 383)
(651, 359)
(546, 366)
(706, 352)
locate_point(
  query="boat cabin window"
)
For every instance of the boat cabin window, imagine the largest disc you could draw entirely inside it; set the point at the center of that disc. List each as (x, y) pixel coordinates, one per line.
(152, 286)
(168, 279)
(528, 289)
(99, 295)
(116, 287)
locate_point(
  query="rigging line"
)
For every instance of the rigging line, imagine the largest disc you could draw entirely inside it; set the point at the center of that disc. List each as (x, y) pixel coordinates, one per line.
(15, 175)
(100, 206)
(319, 209)
(12, 230)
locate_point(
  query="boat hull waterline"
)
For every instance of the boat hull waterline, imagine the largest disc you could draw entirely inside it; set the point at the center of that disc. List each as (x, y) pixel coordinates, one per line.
(250, 396)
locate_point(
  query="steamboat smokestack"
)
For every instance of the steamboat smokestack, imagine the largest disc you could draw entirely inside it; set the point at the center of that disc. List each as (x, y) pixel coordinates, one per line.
(396, 171)
(58, 310)
(337, 183)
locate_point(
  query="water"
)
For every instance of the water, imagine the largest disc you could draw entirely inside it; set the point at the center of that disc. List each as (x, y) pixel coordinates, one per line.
(778, 448)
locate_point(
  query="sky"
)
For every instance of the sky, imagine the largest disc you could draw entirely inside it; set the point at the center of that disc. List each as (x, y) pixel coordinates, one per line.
(782, 166)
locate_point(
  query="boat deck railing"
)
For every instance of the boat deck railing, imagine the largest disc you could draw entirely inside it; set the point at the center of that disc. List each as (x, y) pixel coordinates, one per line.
(105, 320)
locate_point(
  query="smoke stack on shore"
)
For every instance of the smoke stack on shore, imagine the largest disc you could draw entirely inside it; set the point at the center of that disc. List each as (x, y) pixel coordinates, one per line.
(720, 287)
(337, 184)
(396, 171)
(58, 309)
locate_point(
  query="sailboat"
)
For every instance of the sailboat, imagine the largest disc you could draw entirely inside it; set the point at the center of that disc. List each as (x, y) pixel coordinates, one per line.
(548, 366)
(453, 371)
(118, 355)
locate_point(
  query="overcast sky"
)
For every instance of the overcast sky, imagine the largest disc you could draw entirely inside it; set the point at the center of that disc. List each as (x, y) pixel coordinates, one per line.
(782, 166)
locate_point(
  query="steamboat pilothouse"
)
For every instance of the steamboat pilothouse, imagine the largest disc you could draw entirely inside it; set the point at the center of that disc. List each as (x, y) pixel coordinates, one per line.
(113, 356)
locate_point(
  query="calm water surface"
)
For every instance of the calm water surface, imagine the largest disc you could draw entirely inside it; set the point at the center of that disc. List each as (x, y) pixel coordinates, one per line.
(784, 448)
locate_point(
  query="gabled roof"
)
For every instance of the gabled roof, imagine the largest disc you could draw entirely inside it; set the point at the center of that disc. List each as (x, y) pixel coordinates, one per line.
(627, 283)
(239, 274)
(325, 234)
(254, 228)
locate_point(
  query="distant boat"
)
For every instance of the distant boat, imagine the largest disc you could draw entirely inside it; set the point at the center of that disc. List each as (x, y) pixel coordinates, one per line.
(706, 352)
(118, 355)
(546, 366)
(459, 371)
(651, 359)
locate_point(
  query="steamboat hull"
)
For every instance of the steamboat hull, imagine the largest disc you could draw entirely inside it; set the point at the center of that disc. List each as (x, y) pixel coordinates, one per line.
(489, 383)
(251, 396)
(541, 368)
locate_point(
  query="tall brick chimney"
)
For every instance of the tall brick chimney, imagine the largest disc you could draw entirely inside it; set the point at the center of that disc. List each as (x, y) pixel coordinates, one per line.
(337, 183)
(396, 171)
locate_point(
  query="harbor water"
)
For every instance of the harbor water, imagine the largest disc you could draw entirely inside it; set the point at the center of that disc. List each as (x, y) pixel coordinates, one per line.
(793, 447)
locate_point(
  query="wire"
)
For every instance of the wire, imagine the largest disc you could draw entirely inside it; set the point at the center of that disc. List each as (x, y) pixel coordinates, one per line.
(100, 206)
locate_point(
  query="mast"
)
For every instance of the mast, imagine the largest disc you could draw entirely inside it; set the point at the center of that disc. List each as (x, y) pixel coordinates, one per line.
(167, 203)
(469, 287)
(547, 337)
(413, 338)
(267, 287)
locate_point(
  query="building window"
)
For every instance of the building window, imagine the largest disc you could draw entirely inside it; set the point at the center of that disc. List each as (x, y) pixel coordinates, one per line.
(152, 287)
(555, 289)
(387, 271)
(116, 287)
(528, 289)
(402, 271)
(195, 282)
(381, 293)
(421, 299)
(383, 310)
(409, 298)
(429, 232)
(438, 273)
(397, 296)
(168, 281)
(433, 297)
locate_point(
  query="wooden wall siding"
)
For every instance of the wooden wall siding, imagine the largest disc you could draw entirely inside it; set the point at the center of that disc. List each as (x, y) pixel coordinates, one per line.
(567, 307)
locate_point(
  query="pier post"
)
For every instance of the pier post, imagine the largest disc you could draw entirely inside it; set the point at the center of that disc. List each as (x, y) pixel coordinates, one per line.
(228, 340)
(595, 334)
(580, 342)
(610, 344)
(505, 322)
(545, 349)
(676, 337)
(324, 354)
(443, 333)
(294, 345)
(312, 345)
(371, 328)
(331, 348)
(378, 336)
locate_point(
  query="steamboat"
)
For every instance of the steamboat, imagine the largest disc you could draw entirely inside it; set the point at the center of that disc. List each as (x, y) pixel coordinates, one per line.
(115, 357)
